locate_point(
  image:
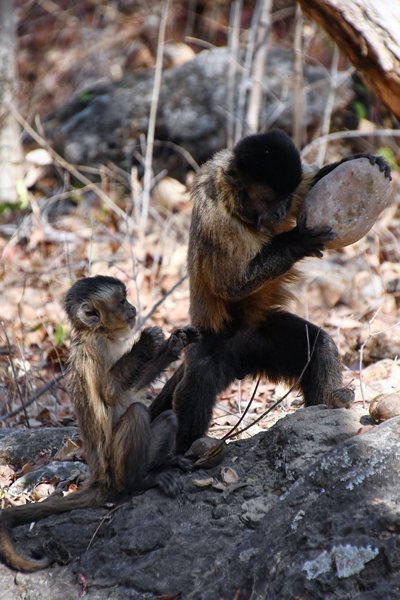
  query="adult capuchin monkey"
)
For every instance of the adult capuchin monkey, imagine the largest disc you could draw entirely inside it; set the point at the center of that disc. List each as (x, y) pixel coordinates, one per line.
(105, 372)
(243, 246)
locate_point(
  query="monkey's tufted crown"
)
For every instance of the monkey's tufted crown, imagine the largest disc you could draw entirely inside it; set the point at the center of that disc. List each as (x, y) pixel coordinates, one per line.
(86, 288)
(269, 158)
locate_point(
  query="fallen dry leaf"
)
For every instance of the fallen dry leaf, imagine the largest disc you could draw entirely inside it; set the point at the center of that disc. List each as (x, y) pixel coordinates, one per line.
(203, 482)
(229, 475)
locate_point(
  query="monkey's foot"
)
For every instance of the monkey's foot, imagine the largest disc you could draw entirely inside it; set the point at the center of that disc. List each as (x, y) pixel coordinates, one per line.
(169, 484)
(179, 461)
(56, 551)
(341, 398)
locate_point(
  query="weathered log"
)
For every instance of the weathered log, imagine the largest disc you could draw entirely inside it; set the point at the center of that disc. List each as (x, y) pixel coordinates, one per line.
(368, 32)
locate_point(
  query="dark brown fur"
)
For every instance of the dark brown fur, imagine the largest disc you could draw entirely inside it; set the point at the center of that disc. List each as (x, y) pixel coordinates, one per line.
(243, 248)
(105, 373)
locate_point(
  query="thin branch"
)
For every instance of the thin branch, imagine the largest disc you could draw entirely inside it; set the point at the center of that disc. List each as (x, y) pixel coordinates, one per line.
(33, 398)
(256, 91)
(326, 122)
(142, 320)
(245, 412)
(298, 79)
(244, 81)
(180, 150)
(234, 32)
(148, 172)
(105, 518)
(275, 404)
(67, 166)
(10, 358)
(351, 133)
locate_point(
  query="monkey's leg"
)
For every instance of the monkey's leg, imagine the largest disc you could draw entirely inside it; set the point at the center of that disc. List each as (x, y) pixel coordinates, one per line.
(131, 447)
(163, 401)
(208, 371)
(163, 445)
(133, 451)
(163, 434)
(280, 348)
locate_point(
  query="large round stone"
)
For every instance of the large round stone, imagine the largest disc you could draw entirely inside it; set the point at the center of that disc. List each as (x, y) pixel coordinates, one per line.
(349, 199)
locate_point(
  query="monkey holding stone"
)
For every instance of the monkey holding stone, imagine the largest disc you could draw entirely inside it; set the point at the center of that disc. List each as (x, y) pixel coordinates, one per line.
(243, 247)
(106, 370)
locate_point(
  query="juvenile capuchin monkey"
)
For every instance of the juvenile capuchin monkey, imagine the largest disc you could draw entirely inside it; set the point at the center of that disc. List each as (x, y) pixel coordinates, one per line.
(106, 370)
(243, 247)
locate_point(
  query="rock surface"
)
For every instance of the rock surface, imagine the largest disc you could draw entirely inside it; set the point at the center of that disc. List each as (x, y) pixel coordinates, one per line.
(349, 199)
(315, 514)
(104, 122)
(22, 446)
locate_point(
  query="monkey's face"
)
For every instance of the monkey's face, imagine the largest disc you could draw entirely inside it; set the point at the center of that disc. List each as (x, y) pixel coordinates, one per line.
(263, 208)
(104, 307)
(115, 312)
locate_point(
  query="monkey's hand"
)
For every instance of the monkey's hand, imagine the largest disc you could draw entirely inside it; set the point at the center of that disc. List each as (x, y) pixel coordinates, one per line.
(151, 341)
(304, 241)
(181, 338)
(384, 167)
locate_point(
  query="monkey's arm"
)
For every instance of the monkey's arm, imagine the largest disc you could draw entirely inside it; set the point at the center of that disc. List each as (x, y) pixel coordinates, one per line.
(148, 359)
(168, 353)
(275, 259)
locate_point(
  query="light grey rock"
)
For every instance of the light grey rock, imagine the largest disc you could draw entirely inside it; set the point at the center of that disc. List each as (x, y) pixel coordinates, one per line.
(349, 199)
(324, 523)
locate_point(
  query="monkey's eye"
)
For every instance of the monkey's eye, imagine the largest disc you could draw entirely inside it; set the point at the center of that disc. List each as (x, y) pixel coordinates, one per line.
(122, 301)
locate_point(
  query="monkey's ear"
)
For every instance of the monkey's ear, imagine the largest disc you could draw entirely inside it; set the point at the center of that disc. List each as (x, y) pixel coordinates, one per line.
(88, 315)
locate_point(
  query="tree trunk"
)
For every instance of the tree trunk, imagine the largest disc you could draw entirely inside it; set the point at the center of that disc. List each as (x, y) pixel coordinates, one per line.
(368, 32)
(10, 144)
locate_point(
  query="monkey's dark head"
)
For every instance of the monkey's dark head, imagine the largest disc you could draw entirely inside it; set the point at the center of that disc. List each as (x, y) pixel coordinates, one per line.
(99, 303)
(269, 159)
(265, 170)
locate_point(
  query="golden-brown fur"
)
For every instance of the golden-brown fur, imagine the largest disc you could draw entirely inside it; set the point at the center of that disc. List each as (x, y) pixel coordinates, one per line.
(106, 369)
(217, 238)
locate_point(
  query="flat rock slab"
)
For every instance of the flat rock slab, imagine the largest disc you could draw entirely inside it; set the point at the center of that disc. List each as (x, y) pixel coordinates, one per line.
(316, 516)
(22, 446)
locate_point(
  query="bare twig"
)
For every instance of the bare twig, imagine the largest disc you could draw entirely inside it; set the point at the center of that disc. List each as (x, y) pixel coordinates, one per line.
(245, 411)
(298, 79)
(106, 517)
(67, 166)
(340, 135)
(326, 122)
(11, 361)
(234, 32)
(275, 404)
(33, 398)
(256, 91)
(243, 84)
(370, 335)
(180, 150)
(142, 320)
(148, 172)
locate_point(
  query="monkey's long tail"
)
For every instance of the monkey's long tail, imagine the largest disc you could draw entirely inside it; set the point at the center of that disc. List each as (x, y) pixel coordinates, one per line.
(19, 515)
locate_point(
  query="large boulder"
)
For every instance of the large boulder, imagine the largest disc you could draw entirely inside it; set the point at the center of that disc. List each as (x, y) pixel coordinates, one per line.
(314, 514)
